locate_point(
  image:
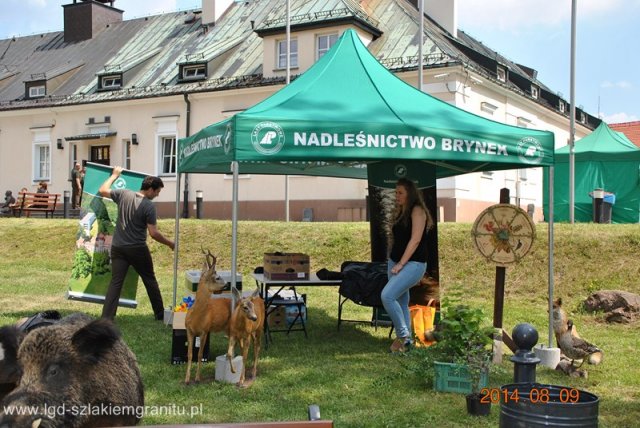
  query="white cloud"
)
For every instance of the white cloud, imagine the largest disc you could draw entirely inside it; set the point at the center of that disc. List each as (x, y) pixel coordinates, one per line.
(620, 84)
(618, 117)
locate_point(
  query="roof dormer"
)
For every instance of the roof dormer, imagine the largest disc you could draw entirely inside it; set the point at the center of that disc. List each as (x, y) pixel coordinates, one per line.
(312, 35)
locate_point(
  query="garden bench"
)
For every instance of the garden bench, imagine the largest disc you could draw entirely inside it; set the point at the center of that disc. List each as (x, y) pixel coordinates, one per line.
(29, 202)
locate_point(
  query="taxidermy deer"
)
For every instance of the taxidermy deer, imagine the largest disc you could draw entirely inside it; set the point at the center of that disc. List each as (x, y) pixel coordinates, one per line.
(246, 325)
(206, 314)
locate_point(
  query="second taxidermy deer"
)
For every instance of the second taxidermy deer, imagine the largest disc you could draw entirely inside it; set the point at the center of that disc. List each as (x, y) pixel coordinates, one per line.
(246, 326)
(206, 314)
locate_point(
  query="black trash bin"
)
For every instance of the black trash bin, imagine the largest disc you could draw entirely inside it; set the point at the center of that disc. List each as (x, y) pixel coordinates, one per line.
(602, 203)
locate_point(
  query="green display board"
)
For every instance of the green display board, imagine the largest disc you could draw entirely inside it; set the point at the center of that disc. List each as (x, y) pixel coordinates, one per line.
(91, 272)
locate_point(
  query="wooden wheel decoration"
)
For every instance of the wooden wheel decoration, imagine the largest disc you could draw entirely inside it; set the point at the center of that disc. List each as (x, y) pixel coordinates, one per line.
(503, 234)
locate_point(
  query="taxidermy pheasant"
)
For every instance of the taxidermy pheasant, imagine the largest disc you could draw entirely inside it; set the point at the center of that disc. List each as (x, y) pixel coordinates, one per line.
(572, 345)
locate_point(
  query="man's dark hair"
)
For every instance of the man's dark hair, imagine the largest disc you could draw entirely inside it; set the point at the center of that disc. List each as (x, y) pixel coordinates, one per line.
(151, 182)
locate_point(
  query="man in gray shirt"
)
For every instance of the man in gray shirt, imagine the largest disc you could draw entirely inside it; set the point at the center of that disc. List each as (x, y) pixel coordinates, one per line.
(136, 216)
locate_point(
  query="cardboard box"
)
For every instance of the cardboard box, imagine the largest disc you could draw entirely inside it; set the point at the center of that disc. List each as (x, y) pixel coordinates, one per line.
(178, 320)
(179, 346)
(286, 266)
(192, 277)
(284, 316)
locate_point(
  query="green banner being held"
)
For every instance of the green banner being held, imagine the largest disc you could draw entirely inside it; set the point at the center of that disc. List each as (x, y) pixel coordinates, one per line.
(91, 272)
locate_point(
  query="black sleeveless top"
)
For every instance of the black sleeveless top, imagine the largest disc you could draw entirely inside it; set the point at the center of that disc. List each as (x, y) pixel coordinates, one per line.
(401, 237)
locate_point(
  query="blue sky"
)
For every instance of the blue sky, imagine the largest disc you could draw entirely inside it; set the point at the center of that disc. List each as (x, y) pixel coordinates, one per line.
(536, 33)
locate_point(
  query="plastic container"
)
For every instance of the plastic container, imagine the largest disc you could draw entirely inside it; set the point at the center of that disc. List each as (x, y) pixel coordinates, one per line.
(455, 378)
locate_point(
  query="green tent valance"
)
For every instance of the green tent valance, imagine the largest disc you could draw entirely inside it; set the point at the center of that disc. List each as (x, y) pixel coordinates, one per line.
(348, 111)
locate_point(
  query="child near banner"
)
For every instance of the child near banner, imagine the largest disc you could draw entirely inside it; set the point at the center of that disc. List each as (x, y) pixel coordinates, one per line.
(408, 258)
(136, 216)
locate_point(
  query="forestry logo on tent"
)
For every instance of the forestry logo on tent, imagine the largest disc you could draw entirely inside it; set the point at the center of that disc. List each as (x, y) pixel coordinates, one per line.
(267, 138)
(400, 171)
(530, 150)
(120, 183)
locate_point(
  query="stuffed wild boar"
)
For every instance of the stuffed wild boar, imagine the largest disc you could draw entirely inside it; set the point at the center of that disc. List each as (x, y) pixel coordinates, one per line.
(77, 373)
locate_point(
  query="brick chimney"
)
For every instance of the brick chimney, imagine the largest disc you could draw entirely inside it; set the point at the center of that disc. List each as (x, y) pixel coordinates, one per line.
(444, 12)
(84, 20)
(212, 10)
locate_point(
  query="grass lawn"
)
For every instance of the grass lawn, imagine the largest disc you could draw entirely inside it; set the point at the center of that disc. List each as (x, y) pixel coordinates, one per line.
(349, 373)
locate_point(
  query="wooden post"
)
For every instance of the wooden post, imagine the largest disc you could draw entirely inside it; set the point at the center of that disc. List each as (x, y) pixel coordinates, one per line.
(500, 336)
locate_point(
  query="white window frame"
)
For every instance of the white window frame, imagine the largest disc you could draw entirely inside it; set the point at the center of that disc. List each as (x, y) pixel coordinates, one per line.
(488, 107)
(561, 106)
(501, 73)
(281, 54)
(171, 157)
(166, 128)
(583, 117)
(111, 82)
(194, 72)
(327, 39)
(523, 122)
(534, 92)
(37, 91)
(41, 157)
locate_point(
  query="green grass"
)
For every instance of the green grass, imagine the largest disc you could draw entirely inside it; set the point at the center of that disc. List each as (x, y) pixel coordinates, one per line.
(349, 373)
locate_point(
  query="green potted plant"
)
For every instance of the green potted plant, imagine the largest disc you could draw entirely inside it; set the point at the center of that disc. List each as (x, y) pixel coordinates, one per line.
(459, 361)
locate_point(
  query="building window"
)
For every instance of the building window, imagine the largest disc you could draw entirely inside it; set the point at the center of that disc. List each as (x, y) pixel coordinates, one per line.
(488, 107)
(282, 54)
(501, 73)
(127, 154)
(168, 155)
(487, 174)
(522, 174)
(37, 91)
(111, 82)
(583, 118)
(42, 161)
(325, 43)
(523, 122)
(194, 72)
(561, 106)
(534, 92)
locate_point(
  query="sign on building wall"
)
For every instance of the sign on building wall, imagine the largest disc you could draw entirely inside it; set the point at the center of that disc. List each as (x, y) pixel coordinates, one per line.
(91, 272)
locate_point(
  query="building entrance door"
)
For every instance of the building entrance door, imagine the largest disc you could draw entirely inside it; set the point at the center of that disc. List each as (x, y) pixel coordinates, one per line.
(101, 155)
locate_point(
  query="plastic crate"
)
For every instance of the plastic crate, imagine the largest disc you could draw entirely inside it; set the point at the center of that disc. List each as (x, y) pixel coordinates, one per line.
(454, 378)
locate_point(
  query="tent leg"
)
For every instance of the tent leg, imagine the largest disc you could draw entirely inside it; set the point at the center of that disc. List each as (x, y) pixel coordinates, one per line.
(176, 240)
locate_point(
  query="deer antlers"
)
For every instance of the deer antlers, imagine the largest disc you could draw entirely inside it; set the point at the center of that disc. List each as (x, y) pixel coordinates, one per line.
(209, 258)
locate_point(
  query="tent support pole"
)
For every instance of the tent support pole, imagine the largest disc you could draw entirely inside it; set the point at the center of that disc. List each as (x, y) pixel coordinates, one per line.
(176, 234)
(550, 232)
(421, 46)
(234, 227)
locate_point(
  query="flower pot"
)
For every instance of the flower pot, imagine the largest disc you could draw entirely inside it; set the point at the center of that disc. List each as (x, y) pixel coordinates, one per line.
(477, 408)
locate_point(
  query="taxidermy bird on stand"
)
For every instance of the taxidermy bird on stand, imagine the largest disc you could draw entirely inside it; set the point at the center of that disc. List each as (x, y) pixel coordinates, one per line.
(572, 346)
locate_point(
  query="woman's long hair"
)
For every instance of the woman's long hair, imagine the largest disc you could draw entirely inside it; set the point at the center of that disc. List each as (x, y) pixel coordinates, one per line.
(414, 197)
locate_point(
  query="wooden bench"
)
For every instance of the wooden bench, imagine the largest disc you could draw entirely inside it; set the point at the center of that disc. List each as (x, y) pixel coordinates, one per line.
(29, 202)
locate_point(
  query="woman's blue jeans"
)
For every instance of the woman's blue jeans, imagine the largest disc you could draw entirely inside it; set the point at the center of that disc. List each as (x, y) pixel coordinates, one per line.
(395, 294)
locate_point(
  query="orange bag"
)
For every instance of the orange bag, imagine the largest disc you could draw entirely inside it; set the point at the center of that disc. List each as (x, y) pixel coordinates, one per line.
(422, 318)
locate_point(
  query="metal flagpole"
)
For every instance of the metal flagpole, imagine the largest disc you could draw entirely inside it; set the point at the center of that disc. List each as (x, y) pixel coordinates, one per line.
(286, 177)
(421, 45)
(551, 264)
(572, 115)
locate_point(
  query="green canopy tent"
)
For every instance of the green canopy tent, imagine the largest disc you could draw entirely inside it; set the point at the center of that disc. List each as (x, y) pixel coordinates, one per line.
(604, 159)
(347, 112)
